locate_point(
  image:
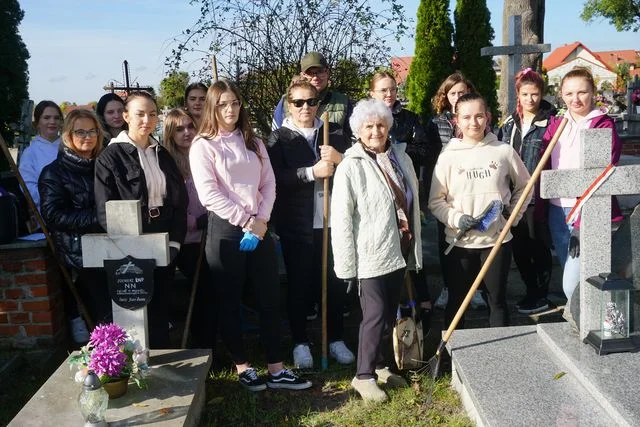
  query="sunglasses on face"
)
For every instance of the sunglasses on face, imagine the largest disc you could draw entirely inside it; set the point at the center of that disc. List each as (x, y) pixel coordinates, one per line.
(311, 102)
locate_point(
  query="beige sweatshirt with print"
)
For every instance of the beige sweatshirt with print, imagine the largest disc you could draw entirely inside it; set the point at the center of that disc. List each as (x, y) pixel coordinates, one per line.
(468, 177)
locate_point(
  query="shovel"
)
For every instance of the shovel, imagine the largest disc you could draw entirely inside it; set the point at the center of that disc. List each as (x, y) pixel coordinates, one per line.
(486, 218)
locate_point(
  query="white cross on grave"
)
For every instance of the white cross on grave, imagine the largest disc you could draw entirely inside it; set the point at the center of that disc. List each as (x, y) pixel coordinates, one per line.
(124, 238)
(514, 53)
(595, 223)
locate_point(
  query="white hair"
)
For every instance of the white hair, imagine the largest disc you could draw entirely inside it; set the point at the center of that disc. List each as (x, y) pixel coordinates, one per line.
(368, 110)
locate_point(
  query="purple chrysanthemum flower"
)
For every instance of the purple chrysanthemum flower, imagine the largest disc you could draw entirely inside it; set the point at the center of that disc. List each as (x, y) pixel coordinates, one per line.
(110, 335)
(108, 360)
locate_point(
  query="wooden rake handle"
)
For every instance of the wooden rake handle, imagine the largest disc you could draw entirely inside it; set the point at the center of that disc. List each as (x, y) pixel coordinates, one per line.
(505, 230)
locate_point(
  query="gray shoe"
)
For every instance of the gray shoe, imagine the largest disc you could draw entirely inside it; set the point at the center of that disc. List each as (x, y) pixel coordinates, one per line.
(369, 390)
(385, 376)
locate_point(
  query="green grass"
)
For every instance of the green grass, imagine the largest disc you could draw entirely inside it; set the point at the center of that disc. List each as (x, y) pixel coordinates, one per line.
(330, 402)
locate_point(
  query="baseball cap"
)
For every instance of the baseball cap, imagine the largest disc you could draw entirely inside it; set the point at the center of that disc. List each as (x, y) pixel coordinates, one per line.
(313, 59)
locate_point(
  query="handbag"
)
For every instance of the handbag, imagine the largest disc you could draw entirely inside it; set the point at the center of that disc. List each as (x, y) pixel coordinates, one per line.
(408, 339)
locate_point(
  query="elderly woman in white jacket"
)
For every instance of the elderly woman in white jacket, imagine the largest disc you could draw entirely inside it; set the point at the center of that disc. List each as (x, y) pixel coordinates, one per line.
(375, 232)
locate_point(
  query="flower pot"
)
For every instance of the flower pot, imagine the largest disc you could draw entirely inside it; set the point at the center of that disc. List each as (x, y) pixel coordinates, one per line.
(117, 388)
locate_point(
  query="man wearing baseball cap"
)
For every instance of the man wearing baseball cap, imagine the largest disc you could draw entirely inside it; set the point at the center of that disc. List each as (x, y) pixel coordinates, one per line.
(314, 67)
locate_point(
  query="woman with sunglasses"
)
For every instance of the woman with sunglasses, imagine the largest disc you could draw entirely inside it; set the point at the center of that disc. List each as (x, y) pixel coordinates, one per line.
(301, 162)
(234, 180)
(68, 207)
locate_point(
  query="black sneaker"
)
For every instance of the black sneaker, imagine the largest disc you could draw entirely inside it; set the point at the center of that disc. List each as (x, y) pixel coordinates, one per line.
(527, 300)
(536, 306)
(250, 380)
(287, 380)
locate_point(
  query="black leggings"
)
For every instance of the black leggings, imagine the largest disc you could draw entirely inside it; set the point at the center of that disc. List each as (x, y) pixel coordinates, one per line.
(230, 270)
(379, 298)
(463, 265)
(533, 259)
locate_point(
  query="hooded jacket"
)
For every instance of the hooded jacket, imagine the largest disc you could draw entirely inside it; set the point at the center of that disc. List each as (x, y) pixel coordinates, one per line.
(34, 158)
(566, 154)
(364, 226)
(467, 178)
(119, 176)
(232, 181)
(67, 203)
(529, 145)
(291, 155)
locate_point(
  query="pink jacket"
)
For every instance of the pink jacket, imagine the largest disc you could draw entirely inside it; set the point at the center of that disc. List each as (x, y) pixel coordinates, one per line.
(599, 122)
(231, 180)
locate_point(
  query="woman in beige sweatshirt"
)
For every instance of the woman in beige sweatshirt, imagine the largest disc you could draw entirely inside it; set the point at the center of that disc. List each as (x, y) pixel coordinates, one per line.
(472, 172)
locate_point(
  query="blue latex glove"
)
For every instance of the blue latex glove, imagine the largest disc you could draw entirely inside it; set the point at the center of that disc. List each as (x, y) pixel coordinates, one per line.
(249, 242)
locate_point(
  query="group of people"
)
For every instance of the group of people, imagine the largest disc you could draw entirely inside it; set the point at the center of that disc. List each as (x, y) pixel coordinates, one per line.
(212, 178)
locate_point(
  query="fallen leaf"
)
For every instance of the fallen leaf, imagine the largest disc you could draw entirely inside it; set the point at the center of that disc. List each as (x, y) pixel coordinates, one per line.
(559, 375)
(140, 405)
(165, 411)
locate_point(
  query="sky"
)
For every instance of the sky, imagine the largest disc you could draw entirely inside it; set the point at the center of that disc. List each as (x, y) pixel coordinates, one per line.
(78, 46)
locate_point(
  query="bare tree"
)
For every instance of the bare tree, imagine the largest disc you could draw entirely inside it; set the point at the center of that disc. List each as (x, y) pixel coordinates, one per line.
(532, 12)
(259, 43)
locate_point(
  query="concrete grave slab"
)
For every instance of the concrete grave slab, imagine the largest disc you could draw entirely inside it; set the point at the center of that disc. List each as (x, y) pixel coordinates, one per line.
(175, 395)
(506, 377)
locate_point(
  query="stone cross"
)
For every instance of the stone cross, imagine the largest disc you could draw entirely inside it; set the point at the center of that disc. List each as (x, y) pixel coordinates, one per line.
(595, 223)
(514, 53)
(124, 237)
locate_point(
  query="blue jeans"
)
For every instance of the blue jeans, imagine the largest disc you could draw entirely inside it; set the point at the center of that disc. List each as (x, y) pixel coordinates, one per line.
(560, 233)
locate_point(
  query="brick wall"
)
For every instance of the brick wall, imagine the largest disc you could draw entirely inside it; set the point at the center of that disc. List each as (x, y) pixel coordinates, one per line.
(31, 304)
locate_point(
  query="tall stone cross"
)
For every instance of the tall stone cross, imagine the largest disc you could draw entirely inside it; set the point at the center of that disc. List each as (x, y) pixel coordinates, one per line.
(595, 223)
(124, 238)
(514, 53)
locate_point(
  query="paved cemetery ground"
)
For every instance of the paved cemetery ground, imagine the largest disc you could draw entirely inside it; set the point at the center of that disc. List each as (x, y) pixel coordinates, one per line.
(330, 402)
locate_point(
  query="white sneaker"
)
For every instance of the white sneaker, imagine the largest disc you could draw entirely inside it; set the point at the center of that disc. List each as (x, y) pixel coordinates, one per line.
(442, 300)
(302, 358)
(79, 331)
(477, 301)
(339, 351)
(369, 390)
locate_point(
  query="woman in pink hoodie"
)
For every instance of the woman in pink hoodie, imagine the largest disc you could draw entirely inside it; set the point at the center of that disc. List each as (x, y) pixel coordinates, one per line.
(578, 92)
(235, 182)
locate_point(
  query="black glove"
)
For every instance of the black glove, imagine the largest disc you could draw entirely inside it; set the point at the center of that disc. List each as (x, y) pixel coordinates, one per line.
(202, 221)
(350, 283)
(574, 243)
(467, 222)
(173, 254)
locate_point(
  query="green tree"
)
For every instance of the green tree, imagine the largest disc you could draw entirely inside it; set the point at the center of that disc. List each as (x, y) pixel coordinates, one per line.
(473, 32)
(172, 89)
(622, 70)
(259, 44)
(432, 61)
(623, 14)
(14, 74)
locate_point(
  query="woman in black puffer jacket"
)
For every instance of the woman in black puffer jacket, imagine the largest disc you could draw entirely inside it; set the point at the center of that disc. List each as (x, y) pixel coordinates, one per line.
(68, 208)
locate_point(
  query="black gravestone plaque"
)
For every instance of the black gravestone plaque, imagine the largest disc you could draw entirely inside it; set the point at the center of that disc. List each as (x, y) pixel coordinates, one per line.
(130, 281)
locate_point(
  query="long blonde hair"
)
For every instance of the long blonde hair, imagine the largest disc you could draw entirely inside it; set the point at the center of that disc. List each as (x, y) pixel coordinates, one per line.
(171, 123)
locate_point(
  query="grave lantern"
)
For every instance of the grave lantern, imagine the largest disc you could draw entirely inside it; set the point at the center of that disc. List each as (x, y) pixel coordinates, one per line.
(612, 334)
(93, 401)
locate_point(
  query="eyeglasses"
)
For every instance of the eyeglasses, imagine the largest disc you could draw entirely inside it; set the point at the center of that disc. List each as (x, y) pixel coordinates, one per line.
(81, 133)
(311, 102)
(387, 90)
(315, 72)
(224, 105)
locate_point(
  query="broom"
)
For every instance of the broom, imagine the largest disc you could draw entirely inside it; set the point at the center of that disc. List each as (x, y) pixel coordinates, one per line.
(433, 364)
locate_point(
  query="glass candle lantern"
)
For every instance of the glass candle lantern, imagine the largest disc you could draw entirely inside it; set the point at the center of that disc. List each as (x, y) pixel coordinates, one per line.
(93, 401)
(612, 333)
